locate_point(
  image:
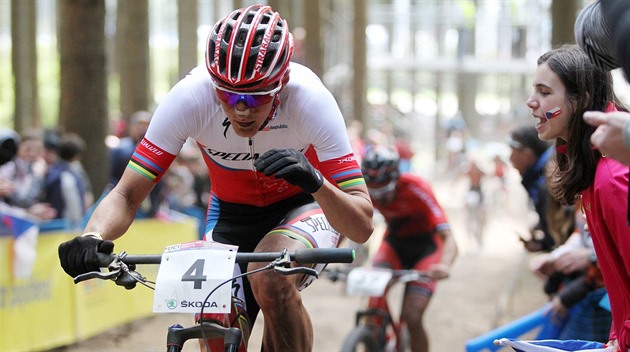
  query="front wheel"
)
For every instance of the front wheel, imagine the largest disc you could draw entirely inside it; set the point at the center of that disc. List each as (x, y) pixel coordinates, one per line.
(361, 339)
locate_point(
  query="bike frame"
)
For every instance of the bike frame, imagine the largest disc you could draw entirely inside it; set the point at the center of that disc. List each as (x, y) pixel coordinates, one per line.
(386, 332)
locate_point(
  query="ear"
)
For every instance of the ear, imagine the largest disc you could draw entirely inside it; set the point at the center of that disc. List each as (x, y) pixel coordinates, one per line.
(587, 101)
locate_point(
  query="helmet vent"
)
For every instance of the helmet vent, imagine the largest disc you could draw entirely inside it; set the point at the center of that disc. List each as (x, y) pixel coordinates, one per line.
(240, 40)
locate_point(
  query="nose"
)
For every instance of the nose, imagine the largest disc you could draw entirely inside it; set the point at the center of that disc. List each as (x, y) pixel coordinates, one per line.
(241, 106)
(532, 103)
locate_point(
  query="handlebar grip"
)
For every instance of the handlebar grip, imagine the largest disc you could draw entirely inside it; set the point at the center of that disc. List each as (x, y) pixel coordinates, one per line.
(325, 255)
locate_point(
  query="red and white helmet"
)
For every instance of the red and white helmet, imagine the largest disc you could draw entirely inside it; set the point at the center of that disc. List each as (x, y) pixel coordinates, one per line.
(249, 49)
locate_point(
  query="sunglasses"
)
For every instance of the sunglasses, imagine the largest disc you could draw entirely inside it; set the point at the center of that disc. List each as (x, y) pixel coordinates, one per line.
(383, 191)
(251, 99)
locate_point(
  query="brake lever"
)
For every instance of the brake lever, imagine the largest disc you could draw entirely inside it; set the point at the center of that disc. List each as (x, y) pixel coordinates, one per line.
(97, 275)
(297, 270)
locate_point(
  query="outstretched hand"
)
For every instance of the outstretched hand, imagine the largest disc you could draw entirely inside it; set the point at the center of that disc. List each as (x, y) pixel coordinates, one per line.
(292, 166)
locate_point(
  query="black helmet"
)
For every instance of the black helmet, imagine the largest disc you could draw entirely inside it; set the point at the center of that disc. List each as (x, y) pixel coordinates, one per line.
(9, 142)
(380, 165)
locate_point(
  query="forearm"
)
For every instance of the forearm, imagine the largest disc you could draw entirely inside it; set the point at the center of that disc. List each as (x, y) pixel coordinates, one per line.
(450, 251)
(112, 217)
(349, 212)
(115, 213)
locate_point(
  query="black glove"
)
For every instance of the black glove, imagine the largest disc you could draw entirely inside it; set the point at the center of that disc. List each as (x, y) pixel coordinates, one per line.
(292, 166)
(78, 256)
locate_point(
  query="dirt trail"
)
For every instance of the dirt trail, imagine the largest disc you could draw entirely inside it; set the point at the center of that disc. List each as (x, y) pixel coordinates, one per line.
(471, 302)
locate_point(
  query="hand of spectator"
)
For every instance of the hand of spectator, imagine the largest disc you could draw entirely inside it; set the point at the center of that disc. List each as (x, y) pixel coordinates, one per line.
(42, 211)
(558, 310)
(7, 187)
(608, 136)
(614, 344)
(571, 261)
(542, 265)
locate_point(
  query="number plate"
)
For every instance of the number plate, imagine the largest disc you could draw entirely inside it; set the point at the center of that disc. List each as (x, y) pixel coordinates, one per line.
(367, 281)
(187, 274)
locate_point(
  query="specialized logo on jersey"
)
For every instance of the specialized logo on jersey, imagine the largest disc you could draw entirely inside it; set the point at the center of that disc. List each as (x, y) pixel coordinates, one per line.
(230, 156)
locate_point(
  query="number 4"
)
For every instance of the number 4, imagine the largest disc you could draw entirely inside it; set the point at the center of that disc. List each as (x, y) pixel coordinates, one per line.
(195, 274)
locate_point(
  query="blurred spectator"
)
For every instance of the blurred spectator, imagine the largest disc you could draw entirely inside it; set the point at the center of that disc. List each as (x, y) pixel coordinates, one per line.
(530, 156)
(25, 171)
(120, 155)
(183, 188)
(22, 178)
(499, 171)
(405, 150)
(573, 279)
(63, 188)
(354, 129)
(71, 151)
(9, 141)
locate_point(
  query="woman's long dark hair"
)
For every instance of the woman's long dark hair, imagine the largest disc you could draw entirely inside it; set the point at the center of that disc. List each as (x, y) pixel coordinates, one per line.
(587, 88)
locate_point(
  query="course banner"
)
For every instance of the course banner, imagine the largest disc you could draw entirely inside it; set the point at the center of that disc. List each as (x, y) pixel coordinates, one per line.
(45, 309)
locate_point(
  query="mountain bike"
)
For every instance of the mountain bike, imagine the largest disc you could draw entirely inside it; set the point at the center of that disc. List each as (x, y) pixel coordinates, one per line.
(376, 327)
(225, 326)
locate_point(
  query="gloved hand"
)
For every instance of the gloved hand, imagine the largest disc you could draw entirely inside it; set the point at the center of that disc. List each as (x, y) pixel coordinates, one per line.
(78, 256)
(292, 166)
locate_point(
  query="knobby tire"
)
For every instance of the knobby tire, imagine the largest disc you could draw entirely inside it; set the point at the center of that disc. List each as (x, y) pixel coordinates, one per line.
(361, 339)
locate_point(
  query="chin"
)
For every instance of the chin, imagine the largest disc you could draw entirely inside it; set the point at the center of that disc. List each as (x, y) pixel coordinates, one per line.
(245, 132)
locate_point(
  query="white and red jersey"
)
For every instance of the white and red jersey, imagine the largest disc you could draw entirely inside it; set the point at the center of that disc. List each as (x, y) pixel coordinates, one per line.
(307, 119)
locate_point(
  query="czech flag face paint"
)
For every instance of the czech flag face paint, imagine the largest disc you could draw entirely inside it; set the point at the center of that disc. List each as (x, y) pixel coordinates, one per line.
(555, 112)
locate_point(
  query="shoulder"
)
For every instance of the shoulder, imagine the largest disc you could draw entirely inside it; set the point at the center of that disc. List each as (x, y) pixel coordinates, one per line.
(192, 89)
(611, 177)
(304, 87)
(413, 180)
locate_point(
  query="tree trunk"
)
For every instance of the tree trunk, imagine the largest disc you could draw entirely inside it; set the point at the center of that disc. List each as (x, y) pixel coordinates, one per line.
(24, 62)
(563, 16)
(359, 50)
(132, 30)
(187, 34)
(83, 101)
(313, 52)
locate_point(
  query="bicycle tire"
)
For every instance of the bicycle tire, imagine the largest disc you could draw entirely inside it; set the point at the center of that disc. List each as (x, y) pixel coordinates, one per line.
(361, 339)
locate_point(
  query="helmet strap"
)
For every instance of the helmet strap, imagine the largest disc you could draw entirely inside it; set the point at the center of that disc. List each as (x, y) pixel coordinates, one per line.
(272, 113)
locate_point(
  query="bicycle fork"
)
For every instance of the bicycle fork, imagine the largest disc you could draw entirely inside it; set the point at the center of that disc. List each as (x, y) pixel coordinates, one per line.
(177, 335)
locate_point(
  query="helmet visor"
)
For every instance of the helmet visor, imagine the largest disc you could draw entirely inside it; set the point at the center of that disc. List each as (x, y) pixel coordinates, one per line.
(251, 99)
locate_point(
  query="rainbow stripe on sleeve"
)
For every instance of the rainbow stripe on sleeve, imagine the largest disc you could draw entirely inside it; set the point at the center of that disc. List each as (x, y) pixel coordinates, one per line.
(150, 161)
(348, 178)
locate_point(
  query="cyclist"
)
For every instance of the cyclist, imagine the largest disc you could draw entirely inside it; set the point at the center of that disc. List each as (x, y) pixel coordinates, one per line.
(417, 236)
(282, 169)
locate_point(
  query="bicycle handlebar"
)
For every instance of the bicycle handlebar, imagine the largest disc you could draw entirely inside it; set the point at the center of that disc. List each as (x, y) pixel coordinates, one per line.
(303, 256)
(306, 256)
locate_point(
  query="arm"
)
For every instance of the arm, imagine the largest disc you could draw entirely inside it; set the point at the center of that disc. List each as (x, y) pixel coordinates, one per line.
(115, 213)
(348, 211)
(441, 271)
